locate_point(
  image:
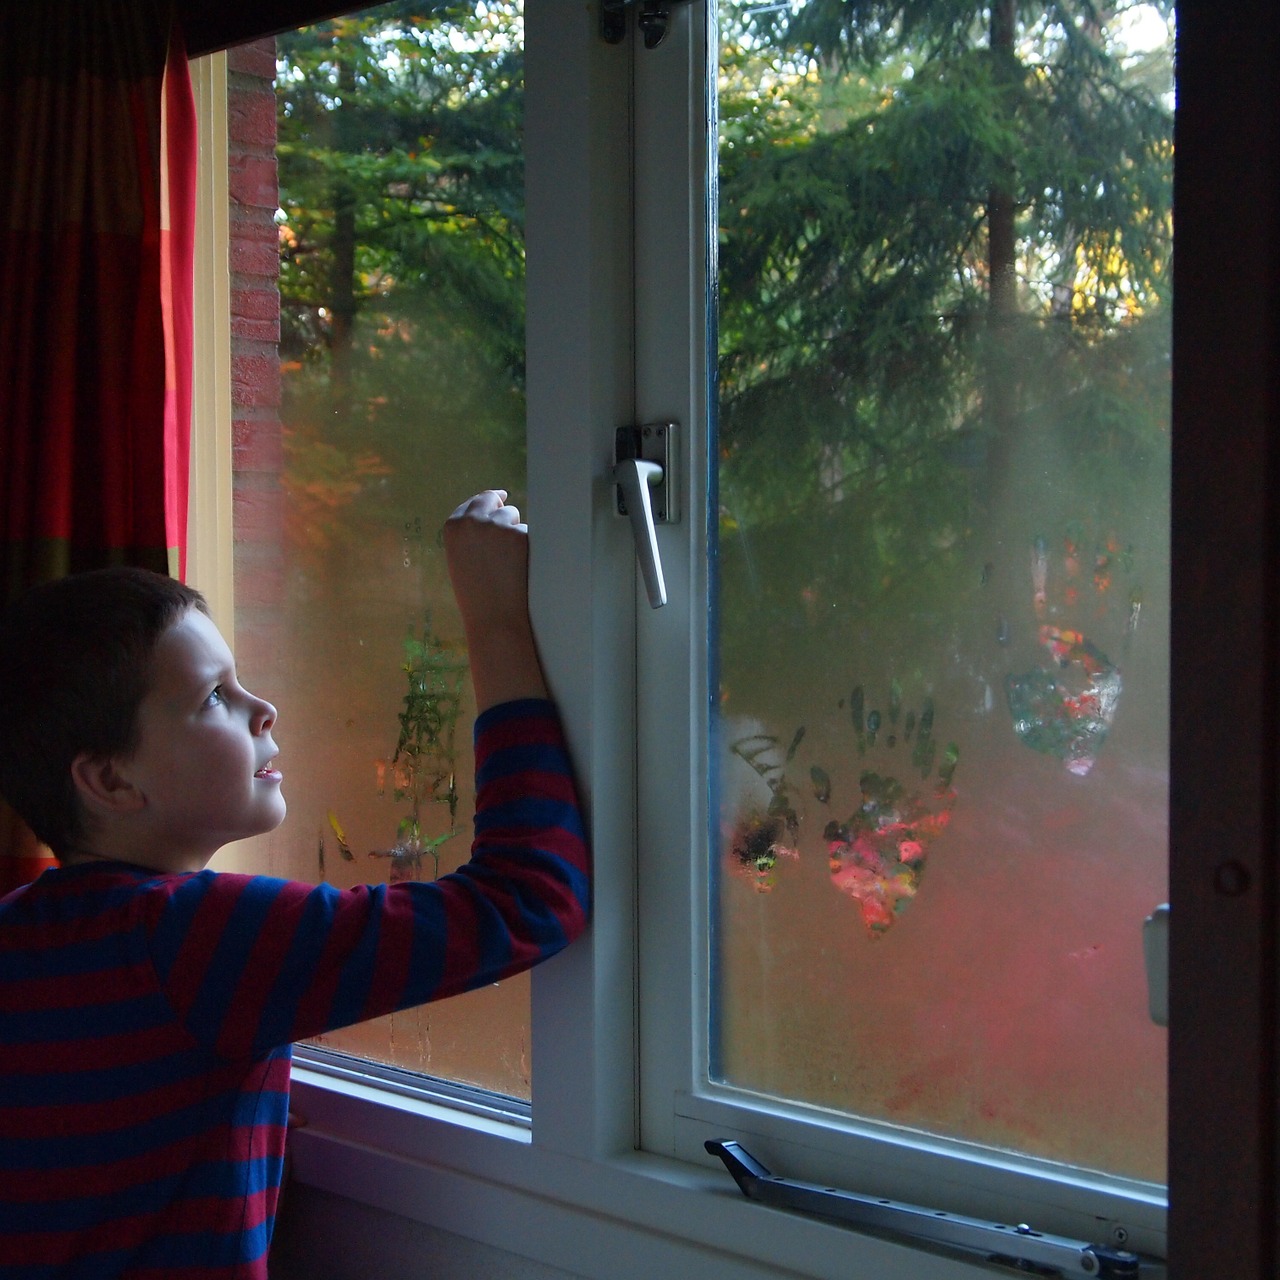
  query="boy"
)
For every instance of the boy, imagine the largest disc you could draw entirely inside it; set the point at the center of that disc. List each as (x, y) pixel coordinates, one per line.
(147, 1005)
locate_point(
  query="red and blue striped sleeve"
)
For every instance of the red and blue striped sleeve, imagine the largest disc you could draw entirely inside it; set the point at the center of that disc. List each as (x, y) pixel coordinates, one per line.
(125, 1147)
(250, 963)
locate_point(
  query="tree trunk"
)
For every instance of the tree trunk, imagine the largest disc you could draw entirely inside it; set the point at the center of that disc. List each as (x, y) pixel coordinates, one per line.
(342, 298)
(1001, 377)
(342, 285)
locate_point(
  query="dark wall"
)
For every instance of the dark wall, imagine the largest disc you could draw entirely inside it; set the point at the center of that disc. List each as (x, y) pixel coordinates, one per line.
(1225, 696)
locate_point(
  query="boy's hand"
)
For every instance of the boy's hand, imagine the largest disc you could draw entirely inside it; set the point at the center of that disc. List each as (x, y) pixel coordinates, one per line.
(487, 550)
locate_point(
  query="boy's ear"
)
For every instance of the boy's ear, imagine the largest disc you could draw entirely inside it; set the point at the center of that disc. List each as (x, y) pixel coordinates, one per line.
(103, 788)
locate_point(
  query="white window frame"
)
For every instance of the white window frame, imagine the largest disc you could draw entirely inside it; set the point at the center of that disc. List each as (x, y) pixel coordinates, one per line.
(681, 1110)
(576, 1191)
(209, 555)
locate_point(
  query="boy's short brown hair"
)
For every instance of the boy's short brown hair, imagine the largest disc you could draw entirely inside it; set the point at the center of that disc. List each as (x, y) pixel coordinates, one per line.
(75, 663)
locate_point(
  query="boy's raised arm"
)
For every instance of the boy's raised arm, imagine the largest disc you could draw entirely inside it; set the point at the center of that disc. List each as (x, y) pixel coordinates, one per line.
(487, 550)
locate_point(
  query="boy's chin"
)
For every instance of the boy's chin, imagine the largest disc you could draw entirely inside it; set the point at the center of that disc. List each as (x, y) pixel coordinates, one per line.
(270, 819)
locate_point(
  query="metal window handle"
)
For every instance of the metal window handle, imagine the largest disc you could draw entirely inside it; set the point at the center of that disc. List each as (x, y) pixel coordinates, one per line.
(634, 476)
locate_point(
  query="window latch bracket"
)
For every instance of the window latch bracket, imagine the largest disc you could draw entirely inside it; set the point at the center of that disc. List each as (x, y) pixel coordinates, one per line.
(1019, 1247)
(653, 442)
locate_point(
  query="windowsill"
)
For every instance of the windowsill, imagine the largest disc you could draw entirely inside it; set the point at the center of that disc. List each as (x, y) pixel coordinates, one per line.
(334, 1098)
(621, 1214)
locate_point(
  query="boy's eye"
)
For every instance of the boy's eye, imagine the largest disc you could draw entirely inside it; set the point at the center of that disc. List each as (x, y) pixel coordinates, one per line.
(218, 695)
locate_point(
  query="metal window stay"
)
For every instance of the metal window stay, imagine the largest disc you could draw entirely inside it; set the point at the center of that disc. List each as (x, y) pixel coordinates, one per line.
(1020, 1247)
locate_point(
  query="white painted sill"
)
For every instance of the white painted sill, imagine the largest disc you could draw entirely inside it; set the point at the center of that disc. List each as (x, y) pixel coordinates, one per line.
(620, 1216)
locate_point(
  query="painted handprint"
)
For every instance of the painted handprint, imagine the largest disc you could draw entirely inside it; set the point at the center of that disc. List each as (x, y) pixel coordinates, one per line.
(1065, 708)
(765, 827)
(878, 854)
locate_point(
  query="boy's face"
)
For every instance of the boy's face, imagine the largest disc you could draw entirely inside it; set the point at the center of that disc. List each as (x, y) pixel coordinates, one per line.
(204, 756)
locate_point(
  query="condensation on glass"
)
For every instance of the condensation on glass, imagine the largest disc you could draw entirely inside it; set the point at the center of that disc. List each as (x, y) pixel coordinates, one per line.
(943, 560)
(402, 349)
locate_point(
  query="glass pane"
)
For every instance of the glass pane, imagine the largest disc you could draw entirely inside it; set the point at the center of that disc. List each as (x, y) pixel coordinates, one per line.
(944, 352)
(402, 370)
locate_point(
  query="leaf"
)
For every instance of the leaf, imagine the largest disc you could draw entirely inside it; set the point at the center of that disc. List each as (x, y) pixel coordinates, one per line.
(343, 847)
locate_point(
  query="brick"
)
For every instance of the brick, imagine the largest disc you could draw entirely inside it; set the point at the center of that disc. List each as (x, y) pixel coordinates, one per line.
(254, 247)
(255, 379)
(258, 502)
(252, 181)
(254, 225)
(251, 119)
(257, 516)
(255, 313)
(257, 446)
(256, 59)
(255, 330)
(255, 259)
(259, 303)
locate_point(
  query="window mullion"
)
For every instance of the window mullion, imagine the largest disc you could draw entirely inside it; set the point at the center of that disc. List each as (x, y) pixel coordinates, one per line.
(579, 389)
(671, 202)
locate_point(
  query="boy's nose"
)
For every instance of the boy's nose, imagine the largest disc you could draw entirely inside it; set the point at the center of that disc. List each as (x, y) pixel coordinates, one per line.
(264, 715)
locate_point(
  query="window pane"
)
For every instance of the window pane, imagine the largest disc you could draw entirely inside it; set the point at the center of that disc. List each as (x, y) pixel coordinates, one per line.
(945, 288)
(402, 368)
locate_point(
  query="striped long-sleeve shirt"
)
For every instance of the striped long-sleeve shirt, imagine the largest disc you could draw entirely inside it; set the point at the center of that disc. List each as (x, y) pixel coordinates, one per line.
(146, 1019)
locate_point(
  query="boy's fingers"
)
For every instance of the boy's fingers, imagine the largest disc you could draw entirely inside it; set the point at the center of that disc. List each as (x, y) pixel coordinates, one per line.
(491, 506)
(488, 500)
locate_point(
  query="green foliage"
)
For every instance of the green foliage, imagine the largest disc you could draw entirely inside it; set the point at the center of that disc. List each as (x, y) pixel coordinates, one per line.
(424, 766)
(870, 393)
(882, 162)
(429, 722)
(423, 769)
(402, 246)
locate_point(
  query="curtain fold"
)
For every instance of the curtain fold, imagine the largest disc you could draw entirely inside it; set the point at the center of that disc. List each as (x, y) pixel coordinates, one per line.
(97, 213)
(180, 149)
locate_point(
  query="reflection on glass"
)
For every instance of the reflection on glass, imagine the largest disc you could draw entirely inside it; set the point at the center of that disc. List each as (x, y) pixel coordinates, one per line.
(402, 355)
(945, 286)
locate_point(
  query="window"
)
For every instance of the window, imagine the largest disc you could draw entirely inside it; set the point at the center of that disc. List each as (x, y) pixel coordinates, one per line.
(592, 1180)
(874, 575)
(940, 500)
(401, 375)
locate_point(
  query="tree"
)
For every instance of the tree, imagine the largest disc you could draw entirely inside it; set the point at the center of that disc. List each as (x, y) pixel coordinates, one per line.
(402, 257)
(945, 229)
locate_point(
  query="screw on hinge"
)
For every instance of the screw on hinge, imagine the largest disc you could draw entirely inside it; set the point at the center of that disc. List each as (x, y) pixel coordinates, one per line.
(653, 19)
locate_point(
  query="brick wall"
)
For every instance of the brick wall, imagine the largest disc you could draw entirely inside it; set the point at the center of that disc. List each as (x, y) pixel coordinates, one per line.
(257, 445)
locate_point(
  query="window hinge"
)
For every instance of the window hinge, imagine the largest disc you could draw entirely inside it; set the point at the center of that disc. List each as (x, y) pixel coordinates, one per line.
(1028, 1251)
(652, 16)
(1155, 947)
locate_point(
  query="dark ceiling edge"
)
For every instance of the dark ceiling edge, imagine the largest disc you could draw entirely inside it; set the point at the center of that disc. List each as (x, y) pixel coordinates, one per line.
(210, 25)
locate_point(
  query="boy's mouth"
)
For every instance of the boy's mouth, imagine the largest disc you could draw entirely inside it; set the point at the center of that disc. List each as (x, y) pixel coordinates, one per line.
(268, 771)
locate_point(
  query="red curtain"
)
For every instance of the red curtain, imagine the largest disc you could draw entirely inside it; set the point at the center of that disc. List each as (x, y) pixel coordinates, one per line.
(97, 213)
